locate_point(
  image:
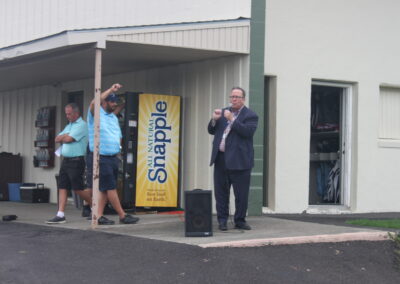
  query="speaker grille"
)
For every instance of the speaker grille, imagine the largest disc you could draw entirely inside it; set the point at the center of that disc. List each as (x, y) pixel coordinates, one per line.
(198, 214)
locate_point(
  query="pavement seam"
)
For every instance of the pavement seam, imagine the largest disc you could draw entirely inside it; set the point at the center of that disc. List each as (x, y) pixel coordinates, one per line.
(344, 237)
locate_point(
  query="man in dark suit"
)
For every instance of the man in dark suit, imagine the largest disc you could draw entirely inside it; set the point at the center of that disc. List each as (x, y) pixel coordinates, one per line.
(233, 157)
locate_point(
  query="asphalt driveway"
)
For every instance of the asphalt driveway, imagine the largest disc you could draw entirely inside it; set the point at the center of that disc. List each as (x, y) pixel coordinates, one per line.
(42, 254)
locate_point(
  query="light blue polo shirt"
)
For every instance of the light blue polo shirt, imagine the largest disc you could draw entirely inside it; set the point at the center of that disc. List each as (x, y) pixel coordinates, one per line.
(77, 130)
(110, 133)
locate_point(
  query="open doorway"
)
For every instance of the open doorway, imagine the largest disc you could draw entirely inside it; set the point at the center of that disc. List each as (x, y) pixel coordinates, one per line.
(330, 149)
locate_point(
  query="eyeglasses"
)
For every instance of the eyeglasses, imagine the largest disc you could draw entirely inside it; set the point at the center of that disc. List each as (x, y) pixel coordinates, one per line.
(235, 97)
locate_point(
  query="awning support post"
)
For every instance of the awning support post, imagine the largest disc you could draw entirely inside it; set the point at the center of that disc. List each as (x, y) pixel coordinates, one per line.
(96, 156)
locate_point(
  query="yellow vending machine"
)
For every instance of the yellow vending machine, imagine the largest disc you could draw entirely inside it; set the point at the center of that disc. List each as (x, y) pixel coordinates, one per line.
(150, 147)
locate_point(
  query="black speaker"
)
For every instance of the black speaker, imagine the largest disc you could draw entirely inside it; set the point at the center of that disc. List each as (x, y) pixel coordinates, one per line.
(198, 214)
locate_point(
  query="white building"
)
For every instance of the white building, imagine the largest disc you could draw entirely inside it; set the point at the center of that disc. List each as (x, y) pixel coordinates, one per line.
(331, 93)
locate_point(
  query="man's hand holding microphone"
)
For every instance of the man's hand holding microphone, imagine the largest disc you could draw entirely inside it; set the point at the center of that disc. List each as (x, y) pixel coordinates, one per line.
(218, 112)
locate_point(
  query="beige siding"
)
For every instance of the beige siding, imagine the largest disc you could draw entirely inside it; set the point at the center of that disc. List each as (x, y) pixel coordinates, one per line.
(25, 20)
(216, 37)
(202, 85)
(17, 127)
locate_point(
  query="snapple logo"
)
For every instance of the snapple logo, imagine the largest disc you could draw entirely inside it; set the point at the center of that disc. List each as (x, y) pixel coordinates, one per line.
(158, 171)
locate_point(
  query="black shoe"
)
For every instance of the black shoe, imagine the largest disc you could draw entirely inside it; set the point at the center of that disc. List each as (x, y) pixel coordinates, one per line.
(242, 226)
(86, 211)
(104, 221)
(56, 220)
(129, 219)
(223, 227)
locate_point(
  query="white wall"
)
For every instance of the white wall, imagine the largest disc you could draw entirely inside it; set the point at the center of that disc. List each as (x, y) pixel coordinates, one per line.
(24, 20)
(202, 85)
(345, 41)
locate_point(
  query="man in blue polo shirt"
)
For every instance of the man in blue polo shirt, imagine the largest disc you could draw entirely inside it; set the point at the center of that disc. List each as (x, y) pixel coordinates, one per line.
(74, 139)
(110, 142)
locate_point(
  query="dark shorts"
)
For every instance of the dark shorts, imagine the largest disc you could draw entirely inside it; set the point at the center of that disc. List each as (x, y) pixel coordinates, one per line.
(72, 173)
(108, 171)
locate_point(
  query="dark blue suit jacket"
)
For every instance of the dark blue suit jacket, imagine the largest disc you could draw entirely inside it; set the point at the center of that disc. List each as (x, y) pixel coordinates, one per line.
(239, 151)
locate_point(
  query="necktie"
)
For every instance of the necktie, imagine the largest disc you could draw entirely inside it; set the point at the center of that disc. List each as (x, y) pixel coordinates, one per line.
(226, 132)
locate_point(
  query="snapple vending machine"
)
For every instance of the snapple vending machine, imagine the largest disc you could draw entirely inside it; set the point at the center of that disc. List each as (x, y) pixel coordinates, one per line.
(149, 175)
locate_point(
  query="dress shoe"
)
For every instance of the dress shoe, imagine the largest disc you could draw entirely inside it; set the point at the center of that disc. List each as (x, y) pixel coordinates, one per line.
(243, 226)
(223, 227)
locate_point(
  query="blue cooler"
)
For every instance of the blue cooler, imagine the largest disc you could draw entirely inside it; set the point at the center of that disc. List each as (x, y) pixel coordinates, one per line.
(13, 191)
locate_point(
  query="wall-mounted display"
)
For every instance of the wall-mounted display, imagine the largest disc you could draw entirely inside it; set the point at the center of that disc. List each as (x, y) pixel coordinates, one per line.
(44, 142)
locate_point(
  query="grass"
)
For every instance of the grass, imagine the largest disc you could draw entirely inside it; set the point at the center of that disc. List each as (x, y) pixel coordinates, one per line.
(386, 223)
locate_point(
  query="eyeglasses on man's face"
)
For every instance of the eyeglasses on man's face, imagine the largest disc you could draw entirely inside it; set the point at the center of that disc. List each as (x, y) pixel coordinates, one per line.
(235, 97)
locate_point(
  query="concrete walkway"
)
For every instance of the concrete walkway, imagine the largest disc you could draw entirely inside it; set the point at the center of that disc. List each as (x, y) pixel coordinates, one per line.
(267, 230)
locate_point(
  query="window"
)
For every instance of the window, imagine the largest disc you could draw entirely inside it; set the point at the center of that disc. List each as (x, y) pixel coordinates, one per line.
(389, 116)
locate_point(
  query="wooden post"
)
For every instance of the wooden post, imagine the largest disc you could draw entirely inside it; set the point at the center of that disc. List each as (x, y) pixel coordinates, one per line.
(96, 155)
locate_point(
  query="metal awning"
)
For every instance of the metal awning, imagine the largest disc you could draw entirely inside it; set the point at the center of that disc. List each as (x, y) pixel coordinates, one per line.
(77, 62)
(70, 55)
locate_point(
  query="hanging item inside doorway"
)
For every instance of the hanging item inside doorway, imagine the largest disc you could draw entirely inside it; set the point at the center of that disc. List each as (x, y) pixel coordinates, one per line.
(325, 146)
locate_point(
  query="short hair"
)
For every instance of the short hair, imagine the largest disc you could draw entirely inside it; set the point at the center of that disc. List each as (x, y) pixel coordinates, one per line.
(238, 88)
(74, 107)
